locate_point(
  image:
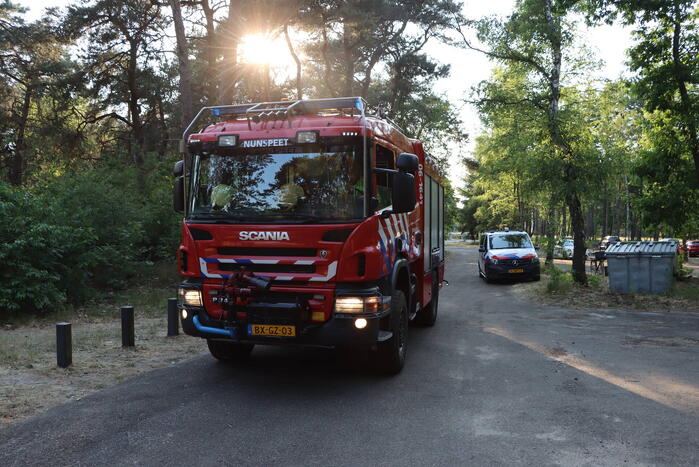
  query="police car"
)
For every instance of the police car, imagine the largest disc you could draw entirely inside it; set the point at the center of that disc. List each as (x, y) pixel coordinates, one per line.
(507, 254)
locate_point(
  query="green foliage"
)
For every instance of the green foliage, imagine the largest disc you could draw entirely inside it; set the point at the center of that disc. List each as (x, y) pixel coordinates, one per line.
(76, 234)
(594, 280)
(559, 281)
(43, 262)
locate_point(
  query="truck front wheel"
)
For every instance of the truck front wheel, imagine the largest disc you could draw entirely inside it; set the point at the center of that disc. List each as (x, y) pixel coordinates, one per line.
(229, 351)
(391, 354)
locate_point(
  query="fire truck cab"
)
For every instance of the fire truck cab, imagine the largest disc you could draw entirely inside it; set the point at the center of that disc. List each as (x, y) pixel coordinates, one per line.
(307, 223)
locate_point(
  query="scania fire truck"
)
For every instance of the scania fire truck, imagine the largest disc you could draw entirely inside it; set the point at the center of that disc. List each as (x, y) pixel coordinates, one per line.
(310, 222)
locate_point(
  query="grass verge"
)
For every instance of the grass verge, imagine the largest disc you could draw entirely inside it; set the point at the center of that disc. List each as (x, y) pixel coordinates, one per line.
(557, 288)
(30, 381)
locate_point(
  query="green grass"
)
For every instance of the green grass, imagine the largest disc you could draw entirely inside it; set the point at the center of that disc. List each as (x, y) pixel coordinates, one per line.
(559, 281)
(687, 289)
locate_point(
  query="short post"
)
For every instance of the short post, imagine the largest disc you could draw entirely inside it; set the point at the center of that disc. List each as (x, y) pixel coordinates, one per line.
(64, 345)
(127, 327)
(173, 323)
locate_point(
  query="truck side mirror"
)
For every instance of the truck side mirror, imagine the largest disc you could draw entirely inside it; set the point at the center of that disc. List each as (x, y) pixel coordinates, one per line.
(178, 194)
(403, 192)
(407, 162)
(178, 170)
(481, 250)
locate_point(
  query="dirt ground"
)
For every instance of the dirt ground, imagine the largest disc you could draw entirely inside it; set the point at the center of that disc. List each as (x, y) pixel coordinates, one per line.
(683, 298)
(31, 383)
(30, 380)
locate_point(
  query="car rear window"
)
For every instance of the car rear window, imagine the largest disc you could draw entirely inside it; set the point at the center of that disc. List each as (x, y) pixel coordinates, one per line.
(498, 242)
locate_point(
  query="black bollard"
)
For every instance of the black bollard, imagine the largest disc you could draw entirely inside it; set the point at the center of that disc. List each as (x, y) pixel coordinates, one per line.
(173, 322)
(127, 327)
(64, 345)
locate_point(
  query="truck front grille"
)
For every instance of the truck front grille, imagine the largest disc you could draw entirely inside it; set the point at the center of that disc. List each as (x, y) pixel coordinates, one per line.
(520, 262)
(282, 268)
(252, 251)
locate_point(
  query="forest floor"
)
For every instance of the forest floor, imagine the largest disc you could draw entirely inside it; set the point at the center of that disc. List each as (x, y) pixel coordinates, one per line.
(30, 381)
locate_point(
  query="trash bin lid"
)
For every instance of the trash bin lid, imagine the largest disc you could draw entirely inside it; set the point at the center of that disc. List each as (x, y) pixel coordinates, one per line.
(642, 249)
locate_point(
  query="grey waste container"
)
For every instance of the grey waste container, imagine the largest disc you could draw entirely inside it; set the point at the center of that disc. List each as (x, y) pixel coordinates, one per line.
(641, 266)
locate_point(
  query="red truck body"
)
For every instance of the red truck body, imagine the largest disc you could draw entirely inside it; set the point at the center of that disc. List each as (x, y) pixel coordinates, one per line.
(299, 271)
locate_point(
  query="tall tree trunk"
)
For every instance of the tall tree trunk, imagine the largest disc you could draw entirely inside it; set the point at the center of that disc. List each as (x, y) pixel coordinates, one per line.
(228, 41)
(184, 66)
(564, 223)
(348, 55)
(551, 227)
(554, 36)
(615, 216)
(329, 83)
(16, 174)
(299, 93)
(690, 126)
(605, 209)
(134, 108)
(162, 149)
(210, 85)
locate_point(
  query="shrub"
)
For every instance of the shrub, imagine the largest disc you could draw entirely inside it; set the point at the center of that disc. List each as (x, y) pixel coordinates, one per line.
(594, 280)
(91, 201)
(72, 235)
(41, 262)
(559, 281)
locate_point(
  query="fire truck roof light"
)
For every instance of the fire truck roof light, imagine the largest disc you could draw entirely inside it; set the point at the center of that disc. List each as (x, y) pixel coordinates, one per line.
(306, 137)
(227, 140)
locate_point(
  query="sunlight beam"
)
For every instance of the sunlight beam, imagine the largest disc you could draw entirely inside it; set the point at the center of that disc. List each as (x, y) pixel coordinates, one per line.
(680, 396)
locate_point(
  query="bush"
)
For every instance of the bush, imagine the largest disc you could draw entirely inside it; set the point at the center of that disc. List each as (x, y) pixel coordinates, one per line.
(559, 281)
(594, 280)
(41, 262)
(67, 238)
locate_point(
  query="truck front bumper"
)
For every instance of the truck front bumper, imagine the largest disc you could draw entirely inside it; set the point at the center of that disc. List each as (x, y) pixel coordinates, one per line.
(500, 271)
(340, 331)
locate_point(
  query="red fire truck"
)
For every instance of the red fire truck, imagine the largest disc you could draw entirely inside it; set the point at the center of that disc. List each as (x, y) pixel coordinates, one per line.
(307, 223)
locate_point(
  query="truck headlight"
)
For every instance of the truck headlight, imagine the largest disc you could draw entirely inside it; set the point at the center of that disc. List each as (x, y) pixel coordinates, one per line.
(362, 304)
(189, 297)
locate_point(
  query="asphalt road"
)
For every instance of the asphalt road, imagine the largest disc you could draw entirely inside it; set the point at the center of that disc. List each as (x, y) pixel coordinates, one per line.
(496, 381)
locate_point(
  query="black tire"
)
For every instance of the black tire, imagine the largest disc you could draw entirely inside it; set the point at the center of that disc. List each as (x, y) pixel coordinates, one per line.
(536, 278)
(483, 275)
(427, 316)
(391, 354)
(229, 351)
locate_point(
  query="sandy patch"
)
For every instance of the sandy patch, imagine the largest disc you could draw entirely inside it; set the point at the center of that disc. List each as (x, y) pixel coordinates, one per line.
(31, 383)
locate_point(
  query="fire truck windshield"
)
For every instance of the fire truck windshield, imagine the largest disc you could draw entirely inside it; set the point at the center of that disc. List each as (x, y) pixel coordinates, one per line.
(305, 182)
